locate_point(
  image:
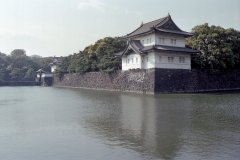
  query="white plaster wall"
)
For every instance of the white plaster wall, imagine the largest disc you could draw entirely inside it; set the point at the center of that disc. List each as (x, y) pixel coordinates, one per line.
(163, 63)
(150, 36)
(124, 64)
(180, 40)
(45, 75)
(149, 61)
(152, 60)
(133, 63)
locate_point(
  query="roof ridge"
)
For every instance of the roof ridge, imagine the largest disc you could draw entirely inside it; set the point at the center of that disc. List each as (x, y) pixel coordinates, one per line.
(160, 24)
(163, 21)
(135, 30)
(155, 20)
(164, 24)
(142, 24)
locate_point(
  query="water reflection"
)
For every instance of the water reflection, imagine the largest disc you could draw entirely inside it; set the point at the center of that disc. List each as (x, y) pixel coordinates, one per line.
(55, 123)
(167, 126)
(150, 125)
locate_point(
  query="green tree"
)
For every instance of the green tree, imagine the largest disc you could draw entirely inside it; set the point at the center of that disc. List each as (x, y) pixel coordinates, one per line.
(18, 66)
(3, 65)
(30, 74)
(219, 47)
(18, 53)
(17, 74)
(97, 57)
(3, 74)
(64, 65)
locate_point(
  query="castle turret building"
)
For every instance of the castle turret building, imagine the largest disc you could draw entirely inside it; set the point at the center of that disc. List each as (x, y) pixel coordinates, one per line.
(157, 44)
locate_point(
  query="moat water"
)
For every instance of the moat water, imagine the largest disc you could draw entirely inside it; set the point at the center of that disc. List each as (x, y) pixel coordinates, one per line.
(38, 123)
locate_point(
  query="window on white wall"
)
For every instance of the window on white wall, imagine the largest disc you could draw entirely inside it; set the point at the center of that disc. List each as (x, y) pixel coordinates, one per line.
(161, 40)
(147, 59)
(160, 58)
(150, 40)
(147, 41)
(181, 59)
(128, 61)
(136, 60)
(170, 59)
(173, 42)
(132, 60)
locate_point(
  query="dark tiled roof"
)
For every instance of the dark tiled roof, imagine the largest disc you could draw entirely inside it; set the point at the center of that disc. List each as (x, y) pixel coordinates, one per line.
(175, 32)
(164, 24)
(118, 54)
(41, 71)
(136, 44)
(169, 48)
(137, 47)
(144, 28)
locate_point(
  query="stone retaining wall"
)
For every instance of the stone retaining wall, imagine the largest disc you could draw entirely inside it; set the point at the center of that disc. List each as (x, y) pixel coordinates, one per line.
(153, 81)
(129, 81)
(195, 81)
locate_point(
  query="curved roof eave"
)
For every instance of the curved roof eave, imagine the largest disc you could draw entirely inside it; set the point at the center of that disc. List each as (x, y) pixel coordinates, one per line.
(165, 25)
(131, 46)
(137, 35)
(187, 34)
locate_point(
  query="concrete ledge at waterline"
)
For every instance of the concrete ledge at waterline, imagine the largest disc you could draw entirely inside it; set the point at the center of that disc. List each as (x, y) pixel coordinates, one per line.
(153, 81)
(108, 90)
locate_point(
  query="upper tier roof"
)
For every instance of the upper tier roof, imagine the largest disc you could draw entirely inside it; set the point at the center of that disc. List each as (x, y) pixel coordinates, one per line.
(137, 47)
(164, 24)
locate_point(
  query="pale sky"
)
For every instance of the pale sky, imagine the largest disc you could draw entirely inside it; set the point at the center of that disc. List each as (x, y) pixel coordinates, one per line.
(62, 27)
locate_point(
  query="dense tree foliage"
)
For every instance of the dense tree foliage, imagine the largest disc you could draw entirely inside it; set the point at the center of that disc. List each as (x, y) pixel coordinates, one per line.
(220, 48)
(97, 57)
(19, 67)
